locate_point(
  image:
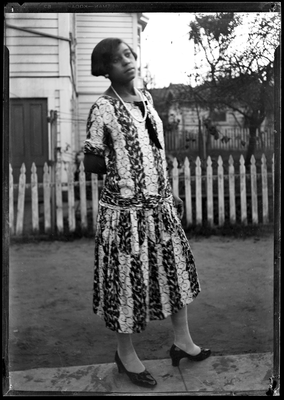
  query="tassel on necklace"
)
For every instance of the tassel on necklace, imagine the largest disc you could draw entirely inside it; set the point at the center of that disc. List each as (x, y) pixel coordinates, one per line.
(149, 125)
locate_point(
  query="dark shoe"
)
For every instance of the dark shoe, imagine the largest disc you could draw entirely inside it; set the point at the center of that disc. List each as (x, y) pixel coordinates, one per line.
(144, 378)
(177, 354)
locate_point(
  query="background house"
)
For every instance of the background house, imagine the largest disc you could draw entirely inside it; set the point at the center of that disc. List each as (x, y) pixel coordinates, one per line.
(181, 112)
(51, 86)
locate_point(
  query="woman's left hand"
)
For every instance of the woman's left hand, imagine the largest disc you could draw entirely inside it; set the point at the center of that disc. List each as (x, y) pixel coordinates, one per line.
(179, 206)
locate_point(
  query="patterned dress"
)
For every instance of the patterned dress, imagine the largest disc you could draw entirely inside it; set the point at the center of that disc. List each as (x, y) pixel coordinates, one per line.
(144, 267)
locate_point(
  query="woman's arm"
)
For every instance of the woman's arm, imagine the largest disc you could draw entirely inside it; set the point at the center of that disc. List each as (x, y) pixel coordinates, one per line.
(94, 163)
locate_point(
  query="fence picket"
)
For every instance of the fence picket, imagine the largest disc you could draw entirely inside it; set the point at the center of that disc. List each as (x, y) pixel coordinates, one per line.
(71, 198)
(187, 184)
(221, 204)
(95, 199)
(11, 200)
(232, 196)
(175, 176)
(253, 191)
(209, 189)
(58, 193)
(34, 193)
(264, 190)
(243, 190)
(21, 200)
(198, 191)
(83, 198)
(47, 196)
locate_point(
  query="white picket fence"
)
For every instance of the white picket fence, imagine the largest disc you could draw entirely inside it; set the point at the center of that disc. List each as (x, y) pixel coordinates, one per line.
(210, 197)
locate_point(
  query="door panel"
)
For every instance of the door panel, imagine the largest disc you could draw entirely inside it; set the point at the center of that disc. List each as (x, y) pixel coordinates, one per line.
(17, 127)
(36, 139)
(29, 135)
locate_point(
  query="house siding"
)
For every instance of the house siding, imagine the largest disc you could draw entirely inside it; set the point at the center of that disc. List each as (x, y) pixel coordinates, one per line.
(40, 68)
(30, 54)
(189, 120)
(91, 28)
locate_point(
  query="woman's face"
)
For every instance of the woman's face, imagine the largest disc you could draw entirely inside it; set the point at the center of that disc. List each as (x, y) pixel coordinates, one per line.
(122, 65)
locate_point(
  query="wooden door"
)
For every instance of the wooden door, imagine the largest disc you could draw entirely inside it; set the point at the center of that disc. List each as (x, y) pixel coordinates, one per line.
(28, 136)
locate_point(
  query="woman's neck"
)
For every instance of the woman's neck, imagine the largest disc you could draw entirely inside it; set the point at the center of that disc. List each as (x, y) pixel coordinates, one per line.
(126, 92)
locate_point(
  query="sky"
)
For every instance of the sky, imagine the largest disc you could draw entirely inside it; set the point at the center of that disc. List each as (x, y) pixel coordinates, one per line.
(166, 48)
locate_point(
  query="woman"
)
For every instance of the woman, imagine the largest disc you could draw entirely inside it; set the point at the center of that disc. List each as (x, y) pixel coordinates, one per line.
(144, 267)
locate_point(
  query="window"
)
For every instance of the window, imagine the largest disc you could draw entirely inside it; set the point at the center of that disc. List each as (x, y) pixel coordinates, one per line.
(219, 116)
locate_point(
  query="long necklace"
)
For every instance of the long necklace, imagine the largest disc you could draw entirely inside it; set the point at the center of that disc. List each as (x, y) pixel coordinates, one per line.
(137, 119)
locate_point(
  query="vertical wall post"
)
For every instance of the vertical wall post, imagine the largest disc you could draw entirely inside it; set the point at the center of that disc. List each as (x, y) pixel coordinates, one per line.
(277, 212)
(53, 135)
(5, 222)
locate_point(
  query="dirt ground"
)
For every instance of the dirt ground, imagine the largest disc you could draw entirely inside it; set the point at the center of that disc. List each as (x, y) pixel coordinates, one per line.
(50, 310)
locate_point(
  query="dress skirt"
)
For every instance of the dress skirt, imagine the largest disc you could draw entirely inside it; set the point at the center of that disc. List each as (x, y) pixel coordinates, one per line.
(144, 266)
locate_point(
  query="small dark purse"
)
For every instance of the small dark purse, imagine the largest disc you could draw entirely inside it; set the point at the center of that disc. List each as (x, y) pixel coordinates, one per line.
(94, 163)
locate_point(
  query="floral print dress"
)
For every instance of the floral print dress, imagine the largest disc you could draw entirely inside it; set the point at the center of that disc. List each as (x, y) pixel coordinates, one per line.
(144, 268)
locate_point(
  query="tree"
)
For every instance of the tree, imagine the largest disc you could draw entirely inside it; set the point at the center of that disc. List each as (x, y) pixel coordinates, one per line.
(149, 79)
(237, 77)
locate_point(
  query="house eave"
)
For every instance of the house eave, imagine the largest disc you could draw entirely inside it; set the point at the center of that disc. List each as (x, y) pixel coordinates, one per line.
(142, 20)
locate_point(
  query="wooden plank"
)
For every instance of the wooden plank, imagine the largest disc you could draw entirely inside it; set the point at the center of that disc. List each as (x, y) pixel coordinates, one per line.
(175, 176)
(198, 191)
(35, 68)
(103, 17)
(264, 185)
(29, 41)
(273, 174)
(39, 58)
(47, 197)
(95, 199)
(209, 192)
(253, 181)
(30, 16)
(124, 34)
(59, 205)
(33, 50)
(21, 38)
(232, 196)
(21, 200)
(243, 190)
(83, 198)
(88, 40)
(14, 33)
(88, 28)
(188, 200)
(41, 24)
(11, 200)
(71, 198)
(221, 201)
(34, 194)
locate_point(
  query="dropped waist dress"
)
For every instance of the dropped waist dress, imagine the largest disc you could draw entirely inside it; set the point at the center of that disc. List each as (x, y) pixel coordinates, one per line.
(144, 268)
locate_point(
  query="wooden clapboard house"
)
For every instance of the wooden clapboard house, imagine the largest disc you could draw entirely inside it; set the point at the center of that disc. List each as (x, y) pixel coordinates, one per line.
(51, 86)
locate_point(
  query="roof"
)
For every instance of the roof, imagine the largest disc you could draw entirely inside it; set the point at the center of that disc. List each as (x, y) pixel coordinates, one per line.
(178, 93)
(142, 20)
